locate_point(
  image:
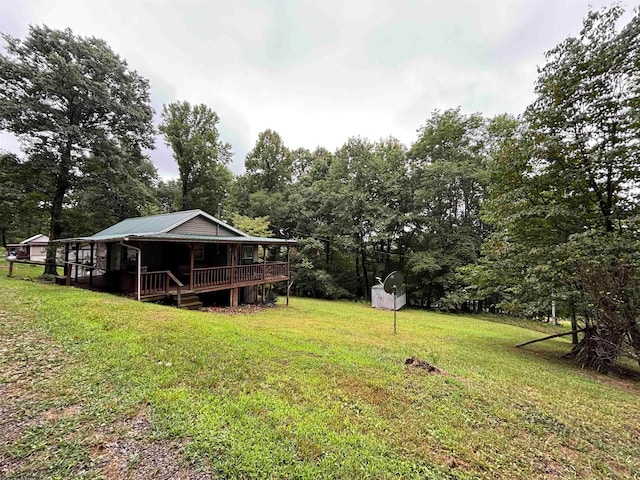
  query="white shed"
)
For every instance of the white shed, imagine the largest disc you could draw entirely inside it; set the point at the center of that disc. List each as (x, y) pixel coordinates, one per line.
(33, 248)
(384, 300)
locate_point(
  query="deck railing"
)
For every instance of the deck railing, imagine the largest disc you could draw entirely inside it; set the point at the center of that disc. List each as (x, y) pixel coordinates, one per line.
(211, 276)
(156, 283)
(163, 282)
(240, 274)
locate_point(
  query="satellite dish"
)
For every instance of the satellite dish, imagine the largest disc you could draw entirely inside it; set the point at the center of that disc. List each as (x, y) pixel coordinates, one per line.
(393, 282)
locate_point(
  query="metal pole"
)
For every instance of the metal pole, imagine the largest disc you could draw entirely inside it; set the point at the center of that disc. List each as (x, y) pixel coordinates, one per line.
(394, 309)
(217, 224)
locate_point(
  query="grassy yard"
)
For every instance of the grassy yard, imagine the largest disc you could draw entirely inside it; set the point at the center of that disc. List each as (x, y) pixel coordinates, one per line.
(98, 386)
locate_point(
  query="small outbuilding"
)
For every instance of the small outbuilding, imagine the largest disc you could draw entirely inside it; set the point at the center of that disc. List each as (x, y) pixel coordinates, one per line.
(33, 249)
(384, 300)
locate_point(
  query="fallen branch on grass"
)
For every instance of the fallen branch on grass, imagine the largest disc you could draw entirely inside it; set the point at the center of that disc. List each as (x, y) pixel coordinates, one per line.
(550, 336)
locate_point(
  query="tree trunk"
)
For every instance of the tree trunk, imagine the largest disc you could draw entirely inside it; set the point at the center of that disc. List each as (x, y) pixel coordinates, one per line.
(574, 325)
(327, 254)
(62, 185)
(634, 337)
(359, 283)
(185, 191)
(598, 349)
(387, 258)
(365, 273)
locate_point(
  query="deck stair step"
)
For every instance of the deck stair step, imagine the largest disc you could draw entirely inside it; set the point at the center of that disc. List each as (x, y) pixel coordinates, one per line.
(190, 301)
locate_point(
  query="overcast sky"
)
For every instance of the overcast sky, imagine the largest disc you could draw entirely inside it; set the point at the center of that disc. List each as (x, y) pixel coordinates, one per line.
(319, 72)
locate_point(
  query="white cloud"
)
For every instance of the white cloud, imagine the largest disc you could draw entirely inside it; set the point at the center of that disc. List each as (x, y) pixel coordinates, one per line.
(320, 72)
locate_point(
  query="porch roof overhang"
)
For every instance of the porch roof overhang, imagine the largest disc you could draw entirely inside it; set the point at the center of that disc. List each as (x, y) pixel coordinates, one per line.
(33, 244)
(175, 238)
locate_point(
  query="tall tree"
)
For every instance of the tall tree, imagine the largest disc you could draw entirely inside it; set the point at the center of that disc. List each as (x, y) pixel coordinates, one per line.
(66, 96)
(567, 192)
(448, 177)
(168, 196)
(264, 189)
(366, 194)
(315, 201)
(110, 191)
(23, 207)
(269, 164)
(192, 133)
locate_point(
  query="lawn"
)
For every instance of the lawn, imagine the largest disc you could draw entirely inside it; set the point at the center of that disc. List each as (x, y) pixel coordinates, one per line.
(98, 386)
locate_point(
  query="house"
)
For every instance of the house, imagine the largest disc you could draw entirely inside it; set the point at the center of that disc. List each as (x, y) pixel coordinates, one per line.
(33, 249)
(177, 256)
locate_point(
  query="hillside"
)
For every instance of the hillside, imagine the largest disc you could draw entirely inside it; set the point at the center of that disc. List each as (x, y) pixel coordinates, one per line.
(96, 386)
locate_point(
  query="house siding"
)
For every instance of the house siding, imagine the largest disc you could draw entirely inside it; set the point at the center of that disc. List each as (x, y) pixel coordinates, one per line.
(202, 226)
(38, 253)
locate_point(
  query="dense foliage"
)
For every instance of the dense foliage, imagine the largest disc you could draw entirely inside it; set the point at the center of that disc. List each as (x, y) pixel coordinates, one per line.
(76, 107)
(564, 192)
(192, 133)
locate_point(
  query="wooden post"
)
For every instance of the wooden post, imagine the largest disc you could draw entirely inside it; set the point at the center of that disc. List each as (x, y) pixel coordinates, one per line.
(264, 271)
(233, 300)
(108, 275)
(233, 263)
(288, 275)
(91, 262)
(10, 269)
(77, 255)
(288, 262)
(192, 252)
(264, 262)
(65, 271)
(233, 292)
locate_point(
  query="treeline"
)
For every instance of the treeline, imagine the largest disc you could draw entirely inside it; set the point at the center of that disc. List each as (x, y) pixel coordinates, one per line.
(479, 213)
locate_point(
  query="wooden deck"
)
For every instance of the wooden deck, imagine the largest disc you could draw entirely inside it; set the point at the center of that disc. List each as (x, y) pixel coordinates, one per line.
(156, 285)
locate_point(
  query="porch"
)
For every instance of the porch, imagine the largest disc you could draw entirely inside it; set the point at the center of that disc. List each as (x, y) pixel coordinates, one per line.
(164, 283)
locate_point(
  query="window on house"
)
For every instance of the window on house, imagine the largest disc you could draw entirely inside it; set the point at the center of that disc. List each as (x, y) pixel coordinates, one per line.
(247, 255)
(198, 252)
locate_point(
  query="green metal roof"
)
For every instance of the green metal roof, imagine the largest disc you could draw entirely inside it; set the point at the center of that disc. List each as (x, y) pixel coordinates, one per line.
(209, 238)
(155, 224)
(169, 237)
(158, 228)
(151, 224)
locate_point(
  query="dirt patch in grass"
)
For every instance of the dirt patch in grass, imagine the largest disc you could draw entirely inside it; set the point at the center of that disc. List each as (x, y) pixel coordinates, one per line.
(36, 425)
(356, 388)
(127, 450)
(548, 467)
(13, 420)
(241, 310)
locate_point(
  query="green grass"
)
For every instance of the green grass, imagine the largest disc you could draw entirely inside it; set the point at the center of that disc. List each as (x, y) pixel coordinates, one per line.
(315, 390)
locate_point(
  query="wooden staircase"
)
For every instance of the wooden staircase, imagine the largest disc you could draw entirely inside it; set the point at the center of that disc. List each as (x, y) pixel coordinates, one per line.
(190, 301)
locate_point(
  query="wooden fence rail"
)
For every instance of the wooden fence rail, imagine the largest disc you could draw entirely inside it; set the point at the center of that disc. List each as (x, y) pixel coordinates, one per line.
(240, 274)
